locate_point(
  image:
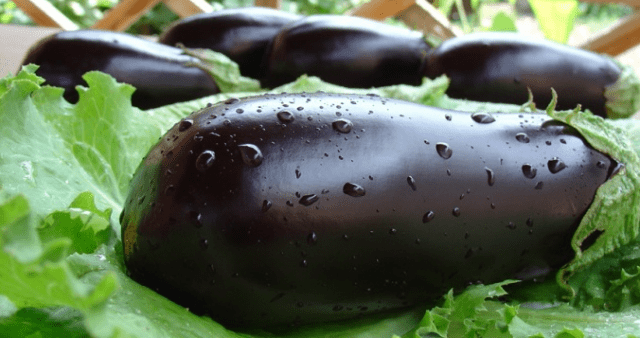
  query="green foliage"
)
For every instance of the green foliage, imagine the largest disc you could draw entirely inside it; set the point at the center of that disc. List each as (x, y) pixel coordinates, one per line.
(601, 11)
(555, 17)
(9, 13)
(308, 7)
(503, 23)
(83, 12)
(154, 21)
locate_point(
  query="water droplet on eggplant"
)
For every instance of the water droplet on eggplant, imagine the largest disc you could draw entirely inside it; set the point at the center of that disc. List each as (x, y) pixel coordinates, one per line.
(483, 118)
(185, 124)
(342, 125)
(312, 239)
(353, 190)
(251, 154)
(196, 217)
(529, 171)
(307, 200)
(412, 183)
(491, 178)
(522, 137)
(444, 150)
(555, 165)
(455, 212)
(285, 116)
(428, 216)
(205, 160)
(266, 205)
(204, 244)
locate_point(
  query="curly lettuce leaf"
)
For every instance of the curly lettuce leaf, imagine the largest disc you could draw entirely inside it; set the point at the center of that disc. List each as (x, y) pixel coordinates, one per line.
(34, 272)
(223, 70)
(614, 215)
(430, 92)
(465, 315)
(54, 150)
(623, 96)
(477, 313)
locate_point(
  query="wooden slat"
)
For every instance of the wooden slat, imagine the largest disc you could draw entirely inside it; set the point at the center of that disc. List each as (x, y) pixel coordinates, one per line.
(43, 13)
(124, 14)
(268, 3)
(417, 14)
(381, 9)
(619, 38)
(185, 8)
(424, 17)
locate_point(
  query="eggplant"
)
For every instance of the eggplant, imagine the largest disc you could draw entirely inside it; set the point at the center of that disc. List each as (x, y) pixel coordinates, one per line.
(344, 50)
(242, 34)
(500, 66)
(161, 74)
(289, 209)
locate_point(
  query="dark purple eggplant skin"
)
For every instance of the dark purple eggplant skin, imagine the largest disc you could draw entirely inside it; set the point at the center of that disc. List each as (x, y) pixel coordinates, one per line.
(500, 66)
(242, 34)
(161, 74)
(344, 50)
(302, 208)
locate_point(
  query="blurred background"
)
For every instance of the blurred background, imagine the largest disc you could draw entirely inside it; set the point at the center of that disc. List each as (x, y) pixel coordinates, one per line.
(566, 21)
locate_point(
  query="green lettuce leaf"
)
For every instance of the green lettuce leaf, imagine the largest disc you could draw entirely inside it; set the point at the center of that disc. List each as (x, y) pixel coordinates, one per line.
(34, 273)
(623, 96)
(465, 315)
(223, 70)
(613, 217)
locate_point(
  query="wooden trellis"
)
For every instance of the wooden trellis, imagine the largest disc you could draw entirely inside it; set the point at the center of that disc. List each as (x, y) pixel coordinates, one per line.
(417, 13)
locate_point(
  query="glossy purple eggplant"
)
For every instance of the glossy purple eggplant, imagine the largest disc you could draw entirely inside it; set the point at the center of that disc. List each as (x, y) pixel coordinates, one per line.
(345, 50)
(161, 74)
(242, 34)
(301, 208)
(499, 67)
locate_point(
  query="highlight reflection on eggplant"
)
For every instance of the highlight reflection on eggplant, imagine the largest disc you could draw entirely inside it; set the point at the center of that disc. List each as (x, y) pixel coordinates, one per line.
(242, 34)
(499, 67)
(350, 205)
(345, 50)
(160, 74)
